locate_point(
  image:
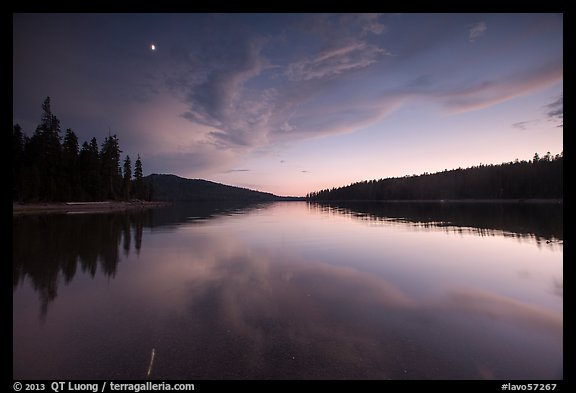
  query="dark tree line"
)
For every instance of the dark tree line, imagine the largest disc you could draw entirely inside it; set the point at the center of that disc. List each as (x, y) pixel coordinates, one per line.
(49, 167)
(536, 178)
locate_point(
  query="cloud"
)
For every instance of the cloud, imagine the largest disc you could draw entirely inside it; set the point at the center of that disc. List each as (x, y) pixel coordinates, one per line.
(556, 108)
(335, 61)
(371, 24)
(217, 96)
(422, 81)
(236, 170)
(249, 102)
(216, 99)
(334, 27)
(345, 43)
(476, 30)
(309, 103)
(490, 92)
(521, 125)
(351, 112)
(367, 23)
(248, 91)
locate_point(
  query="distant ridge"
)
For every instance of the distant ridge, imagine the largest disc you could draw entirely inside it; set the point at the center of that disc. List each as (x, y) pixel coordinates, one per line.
(176, 188)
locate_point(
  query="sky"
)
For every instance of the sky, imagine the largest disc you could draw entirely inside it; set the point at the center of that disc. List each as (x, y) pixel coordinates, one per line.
(294, 103)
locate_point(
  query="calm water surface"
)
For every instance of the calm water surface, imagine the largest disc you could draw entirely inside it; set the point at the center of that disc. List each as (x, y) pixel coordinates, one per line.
(292, 291)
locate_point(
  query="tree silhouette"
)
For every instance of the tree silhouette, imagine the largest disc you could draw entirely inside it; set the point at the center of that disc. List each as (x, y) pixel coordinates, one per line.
(45, 149)
(45, 168)
(110, 167)
(70, 156)
(90, 177)
(540, 178)
(126, 178)
(141, 189)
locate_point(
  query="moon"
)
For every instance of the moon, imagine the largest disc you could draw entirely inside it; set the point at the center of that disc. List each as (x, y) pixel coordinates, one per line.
(152, 47)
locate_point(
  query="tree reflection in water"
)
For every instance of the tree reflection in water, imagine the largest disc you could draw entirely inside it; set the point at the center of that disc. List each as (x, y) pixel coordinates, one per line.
(543, 221)
(48, 248)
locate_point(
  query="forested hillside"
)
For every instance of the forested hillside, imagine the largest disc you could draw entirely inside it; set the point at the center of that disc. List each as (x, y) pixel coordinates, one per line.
(536, 178)
(175, 188)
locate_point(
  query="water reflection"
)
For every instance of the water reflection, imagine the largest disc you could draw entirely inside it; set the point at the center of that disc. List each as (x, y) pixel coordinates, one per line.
(543, 221)
(273, 292)
(48, 248)
(177, 214)
(315, 320)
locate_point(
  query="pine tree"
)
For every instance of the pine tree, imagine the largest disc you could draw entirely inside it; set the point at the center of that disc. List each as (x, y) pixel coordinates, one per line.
(90, 177)
(70, 145)
(126, 179)
(139, 191)
(45, 151)
(110, 167)
(71, 172)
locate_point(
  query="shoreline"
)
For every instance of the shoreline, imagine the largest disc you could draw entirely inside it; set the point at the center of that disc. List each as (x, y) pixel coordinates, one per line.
(82, 207)
(116, 206)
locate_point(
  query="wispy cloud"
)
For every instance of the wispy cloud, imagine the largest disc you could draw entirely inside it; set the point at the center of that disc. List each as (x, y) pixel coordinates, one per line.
(523, 125)
(335, 61)
(477, 30)
(490, 92)
(556, 109)
(345, 46)
(220, 101)
(236, 170)
(248, 101)
(371, 23)
(334, 27)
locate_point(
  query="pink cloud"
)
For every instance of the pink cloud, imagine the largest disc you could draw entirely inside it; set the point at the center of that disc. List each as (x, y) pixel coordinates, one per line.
(491, 92)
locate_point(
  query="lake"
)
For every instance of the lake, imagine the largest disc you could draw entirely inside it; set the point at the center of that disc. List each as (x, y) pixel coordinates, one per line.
(291, 290)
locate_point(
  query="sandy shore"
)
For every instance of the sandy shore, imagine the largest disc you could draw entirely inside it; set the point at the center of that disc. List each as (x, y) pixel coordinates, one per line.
(81, 207)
